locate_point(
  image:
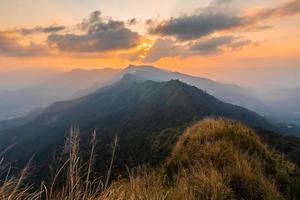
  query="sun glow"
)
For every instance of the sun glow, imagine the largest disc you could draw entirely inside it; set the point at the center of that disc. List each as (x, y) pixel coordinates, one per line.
(145, 46)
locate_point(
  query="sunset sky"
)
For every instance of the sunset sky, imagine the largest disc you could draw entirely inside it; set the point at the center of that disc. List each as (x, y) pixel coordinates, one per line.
(201, 37)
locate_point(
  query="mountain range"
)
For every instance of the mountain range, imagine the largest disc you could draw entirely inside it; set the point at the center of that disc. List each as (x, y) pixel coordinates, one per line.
(284, 103)
(25, 78)
(279, 106)
(147, 116)
(76, 83)
(18, 103)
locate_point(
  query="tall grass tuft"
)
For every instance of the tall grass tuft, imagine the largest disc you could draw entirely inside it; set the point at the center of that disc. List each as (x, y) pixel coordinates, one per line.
(78, 184)
(14, 187)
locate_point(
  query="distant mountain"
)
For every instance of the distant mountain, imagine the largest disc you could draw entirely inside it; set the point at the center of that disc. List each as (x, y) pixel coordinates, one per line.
(229, 93)
(15, 122)
(281, 93)
(281, 105)
(24, 78)
(142, 113)
(284, 103)
(18, 103)
(79, 83)
(287, 110)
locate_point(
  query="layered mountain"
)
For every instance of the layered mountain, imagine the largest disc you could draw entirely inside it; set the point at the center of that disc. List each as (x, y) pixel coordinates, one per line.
(147, 116)
(284, 103)
(285, 109)
(25, 78)
(79, 83)
(229, 93)
(280, 105)
(17, 103)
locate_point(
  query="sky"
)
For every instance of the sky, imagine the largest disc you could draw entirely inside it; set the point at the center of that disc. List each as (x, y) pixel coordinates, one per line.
(228, 40)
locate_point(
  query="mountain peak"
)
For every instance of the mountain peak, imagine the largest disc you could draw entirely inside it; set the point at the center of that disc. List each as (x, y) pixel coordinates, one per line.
(127, 77)
(175, 81)
(133, 68)
(139, 66)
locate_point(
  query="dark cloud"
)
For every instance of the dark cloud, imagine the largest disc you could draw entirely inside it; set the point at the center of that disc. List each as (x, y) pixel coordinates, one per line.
(99, 34)
(149, 22)
(49, 29)
(11, 47)
(237, 45)
(132, 21)
(96, 42)
(211, 20)
(216, 45)
(211, 46)
(216, 17)
(164, 48)
(96, 23)
(287, 9)
(196, 26)
(94, 18)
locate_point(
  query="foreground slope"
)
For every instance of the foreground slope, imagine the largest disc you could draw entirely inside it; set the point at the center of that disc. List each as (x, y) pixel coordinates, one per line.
(289, 145)
(215, 159)
(226, 159)
(212, 160)
(147, 116)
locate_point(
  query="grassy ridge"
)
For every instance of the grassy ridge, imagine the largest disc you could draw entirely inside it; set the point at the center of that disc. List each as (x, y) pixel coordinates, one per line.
(233, 159)
(214, 159)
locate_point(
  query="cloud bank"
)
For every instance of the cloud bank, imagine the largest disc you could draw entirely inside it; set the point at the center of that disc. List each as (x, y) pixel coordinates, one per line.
(10, 47)
(212, 30)
(98, 35)
(188, 27)
(49, 29)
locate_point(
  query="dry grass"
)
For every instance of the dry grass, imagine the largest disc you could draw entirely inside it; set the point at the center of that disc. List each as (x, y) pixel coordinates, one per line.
(78, 184)
(237, 163)
(213, 160)
(13, 188)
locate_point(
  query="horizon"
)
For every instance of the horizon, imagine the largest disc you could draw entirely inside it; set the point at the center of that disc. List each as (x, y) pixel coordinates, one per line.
(233, 37)
(258, 78)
